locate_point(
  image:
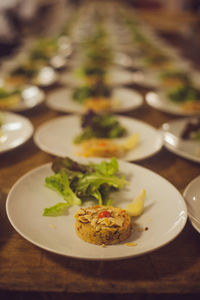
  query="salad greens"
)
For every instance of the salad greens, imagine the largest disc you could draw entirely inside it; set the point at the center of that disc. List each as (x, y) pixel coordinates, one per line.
(175, 75)
(184, 93)
(191, 130)
(99, 126)
(92, 70)
(77, 183)
(100, 89)
(6, 93)
(27, 69)
(44, 48)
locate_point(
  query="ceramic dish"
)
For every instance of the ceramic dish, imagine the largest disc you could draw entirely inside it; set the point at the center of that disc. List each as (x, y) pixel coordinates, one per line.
(172, 131)
(123, 99)
(30, 97)
(192, 198)
(115, 76)
(29, 196)
(161, 102)
(56, 137)
(15, 131)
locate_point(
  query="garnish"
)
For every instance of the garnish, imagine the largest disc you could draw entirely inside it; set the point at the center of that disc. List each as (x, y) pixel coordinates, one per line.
(99, 89)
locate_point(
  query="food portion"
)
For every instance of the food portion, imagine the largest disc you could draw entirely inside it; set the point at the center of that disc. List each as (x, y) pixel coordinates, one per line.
(101, 137)
(107, 147)
(24, 73)
(95, 92)
(76, 183)
(94, 96)
(156, 60)
(9, 97)
(191, 130)
(174, 78)
(99, 126)
(91, 74)
(2, 121)
(187, 96)
(103, 225)
(43, 49)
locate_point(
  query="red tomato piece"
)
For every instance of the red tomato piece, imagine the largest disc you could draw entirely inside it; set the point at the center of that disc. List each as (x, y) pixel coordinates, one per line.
(104, 214)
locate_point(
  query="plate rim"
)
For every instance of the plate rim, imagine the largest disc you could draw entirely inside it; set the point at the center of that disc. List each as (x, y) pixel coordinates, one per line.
(188, 187)
(18, 109)
(172, 149)
(82, 109)
(31, 131)
(165, 109)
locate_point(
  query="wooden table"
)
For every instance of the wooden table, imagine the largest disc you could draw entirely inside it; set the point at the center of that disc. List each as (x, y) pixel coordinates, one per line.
(173, 270)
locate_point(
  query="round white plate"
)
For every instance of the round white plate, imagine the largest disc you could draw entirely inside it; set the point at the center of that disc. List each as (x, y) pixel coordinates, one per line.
(15, 131)
(115, 76)
(172, 140)
(161, 102)
(56, 137)
(125, 99)
(192, 199)
(31, 97)
(29, 196)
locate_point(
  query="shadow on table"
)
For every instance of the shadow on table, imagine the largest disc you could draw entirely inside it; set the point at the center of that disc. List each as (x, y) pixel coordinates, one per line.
(6, 229)
(170, 260)
(90, 296)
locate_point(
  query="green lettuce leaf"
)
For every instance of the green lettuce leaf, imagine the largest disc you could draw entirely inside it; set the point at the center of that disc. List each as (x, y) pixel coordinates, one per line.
(56, 210)
(59, 182)
(77, 183)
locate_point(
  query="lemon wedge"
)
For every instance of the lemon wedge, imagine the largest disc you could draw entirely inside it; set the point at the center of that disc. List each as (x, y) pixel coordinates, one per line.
(131, 142)
(136, 207)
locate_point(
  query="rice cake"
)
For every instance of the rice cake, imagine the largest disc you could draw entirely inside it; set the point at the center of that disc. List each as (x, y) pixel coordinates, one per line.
(103, 225)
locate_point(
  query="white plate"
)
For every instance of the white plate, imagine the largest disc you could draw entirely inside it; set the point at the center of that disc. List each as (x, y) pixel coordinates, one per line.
(115, 76)
(124, 99)
(172, 140)
(29, 196)
(31, 97)
(192, 198)
(161, 102)
(15, 131)
(56, 137)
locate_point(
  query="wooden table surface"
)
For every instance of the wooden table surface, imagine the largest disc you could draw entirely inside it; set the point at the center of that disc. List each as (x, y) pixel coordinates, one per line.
(173, 269)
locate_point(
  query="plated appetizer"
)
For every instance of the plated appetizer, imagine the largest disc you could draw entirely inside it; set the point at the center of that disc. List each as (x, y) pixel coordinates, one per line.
(9, 97)
(182, 137)
(30, 72)
(99, 126)
(187, 96)
(99, 132)
(15, 130)
(57, 234)
(108, 135)
(191, 131)
(51, 50)
(20, 98)
(96, 96)
(174, 78)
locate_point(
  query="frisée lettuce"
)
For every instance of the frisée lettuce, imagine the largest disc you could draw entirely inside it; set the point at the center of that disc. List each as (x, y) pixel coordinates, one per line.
(77, 182)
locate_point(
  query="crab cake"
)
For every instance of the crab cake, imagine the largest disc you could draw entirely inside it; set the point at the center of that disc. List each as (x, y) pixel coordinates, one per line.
(102, 225)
